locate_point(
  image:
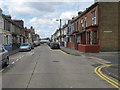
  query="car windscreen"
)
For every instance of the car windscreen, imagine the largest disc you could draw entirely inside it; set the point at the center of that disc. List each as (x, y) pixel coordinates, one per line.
(25, 44)
(55, 43)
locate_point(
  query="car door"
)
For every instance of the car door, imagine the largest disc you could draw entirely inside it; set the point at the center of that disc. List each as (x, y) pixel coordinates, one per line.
(4, 55)
(0, 60)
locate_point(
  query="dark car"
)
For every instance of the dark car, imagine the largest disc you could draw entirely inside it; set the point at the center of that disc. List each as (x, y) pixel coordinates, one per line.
(4, 57)
(54, 45)
(48, 43)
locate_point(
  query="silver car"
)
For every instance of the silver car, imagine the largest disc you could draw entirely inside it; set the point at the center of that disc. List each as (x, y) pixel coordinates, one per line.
(4, 57)
(25, 47)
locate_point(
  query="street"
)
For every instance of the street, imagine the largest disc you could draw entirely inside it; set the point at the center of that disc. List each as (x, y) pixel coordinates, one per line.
(46, 68)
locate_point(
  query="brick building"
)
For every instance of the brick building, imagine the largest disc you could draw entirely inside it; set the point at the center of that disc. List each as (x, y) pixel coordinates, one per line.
(96, 29)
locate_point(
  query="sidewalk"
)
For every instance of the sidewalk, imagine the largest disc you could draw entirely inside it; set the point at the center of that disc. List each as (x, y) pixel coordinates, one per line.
(108, 56)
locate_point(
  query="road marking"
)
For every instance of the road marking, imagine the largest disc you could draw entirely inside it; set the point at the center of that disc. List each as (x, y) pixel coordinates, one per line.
(98, 71)
(1, 70)
(22, 55)
(101, 61)
(13, 62)
(65, 53)
(106, 76)
(17, 60)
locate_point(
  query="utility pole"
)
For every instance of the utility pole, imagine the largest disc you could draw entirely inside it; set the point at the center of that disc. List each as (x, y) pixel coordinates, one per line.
(60, 31)
(60, 28)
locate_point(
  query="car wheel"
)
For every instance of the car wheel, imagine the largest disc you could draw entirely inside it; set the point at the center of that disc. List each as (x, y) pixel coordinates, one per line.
(7, 62)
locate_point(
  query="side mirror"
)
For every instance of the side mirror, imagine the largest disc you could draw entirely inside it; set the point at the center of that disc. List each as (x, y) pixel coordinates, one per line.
(3, 50)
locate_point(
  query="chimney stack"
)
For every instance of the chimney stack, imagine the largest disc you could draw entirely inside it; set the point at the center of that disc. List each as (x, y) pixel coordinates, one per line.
(79, 13)
(8, 16)
(31, 27)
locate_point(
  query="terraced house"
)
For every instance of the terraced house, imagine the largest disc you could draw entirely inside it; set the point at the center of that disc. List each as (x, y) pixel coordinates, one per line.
(98, 28)
(13, 33)
(95, 29)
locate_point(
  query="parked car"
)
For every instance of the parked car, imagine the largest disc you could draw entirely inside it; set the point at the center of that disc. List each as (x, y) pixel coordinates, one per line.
(36, 43)
(54, 45)
(25, 47)
(48, 43)
(4, 57)
(32, 45)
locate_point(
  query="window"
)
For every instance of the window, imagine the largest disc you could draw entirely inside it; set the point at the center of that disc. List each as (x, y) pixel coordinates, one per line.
(93, 17)
(82, 22)
(78, 39)
(86, 24)
(77, 26)
(93, 37)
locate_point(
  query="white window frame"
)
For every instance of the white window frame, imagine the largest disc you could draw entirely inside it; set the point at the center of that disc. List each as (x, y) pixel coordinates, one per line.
(86, 24)
(94, 17)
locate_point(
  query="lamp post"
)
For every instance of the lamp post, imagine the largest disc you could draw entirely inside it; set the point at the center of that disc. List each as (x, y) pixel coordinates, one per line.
(60, 28)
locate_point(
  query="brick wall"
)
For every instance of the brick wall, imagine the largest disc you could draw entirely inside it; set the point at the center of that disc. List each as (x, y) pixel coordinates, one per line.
(108, 21)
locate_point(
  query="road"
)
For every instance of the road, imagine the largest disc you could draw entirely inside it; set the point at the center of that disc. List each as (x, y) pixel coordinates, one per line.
(46, 68)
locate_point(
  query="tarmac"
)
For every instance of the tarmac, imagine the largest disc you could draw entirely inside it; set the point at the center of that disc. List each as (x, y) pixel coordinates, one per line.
(113, 57)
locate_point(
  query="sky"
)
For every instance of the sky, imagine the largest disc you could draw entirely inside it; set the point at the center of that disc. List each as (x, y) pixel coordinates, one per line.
(42, 14)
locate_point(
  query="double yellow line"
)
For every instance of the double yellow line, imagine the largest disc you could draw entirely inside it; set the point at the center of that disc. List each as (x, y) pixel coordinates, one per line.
(109, 80)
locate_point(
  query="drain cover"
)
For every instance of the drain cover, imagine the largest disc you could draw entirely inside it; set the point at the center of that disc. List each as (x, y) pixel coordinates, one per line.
(55, 61)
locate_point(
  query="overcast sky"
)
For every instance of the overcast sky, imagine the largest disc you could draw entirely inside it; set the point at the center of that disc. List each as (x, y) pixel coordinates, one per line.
(42, 14)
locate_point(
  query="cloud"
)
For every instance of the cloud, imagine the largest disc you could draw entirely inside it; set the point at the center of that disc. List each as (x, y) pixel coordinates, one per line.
(42, 14)
(28, 8)
(43, 23)
(44, 27)
(68, 15)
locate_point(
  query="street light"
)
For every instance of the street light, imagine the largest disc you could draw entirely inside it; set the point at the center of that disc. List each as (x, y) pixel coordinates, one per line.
(60, 28)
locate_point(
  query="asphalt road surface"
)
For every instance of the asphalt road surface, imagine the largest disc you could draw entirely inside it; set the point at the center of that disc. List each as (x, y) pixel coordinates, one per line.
(46, 68)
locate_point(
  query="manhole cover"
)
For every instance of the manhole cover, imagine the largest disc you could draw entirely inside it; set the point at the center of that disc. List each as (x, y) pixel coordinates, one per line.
(55, 61)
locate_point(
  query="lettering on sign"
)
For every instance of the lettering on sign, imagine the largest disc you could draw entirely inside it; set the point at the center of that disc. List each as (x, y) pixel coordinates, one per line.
(107, 31)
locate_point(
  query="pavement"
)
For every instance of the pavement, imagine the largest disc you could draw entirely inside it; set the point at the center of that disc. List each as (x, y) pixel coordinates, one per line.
(111, 57)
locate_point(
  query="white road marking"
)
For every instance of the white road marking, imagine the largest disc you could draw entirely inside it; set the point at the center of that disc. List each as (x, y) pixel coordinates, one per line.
(17, 60)
(20, 57)
(4, 69)
(101, 61)
(32, 53)
(1, 70)
(13, 62)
